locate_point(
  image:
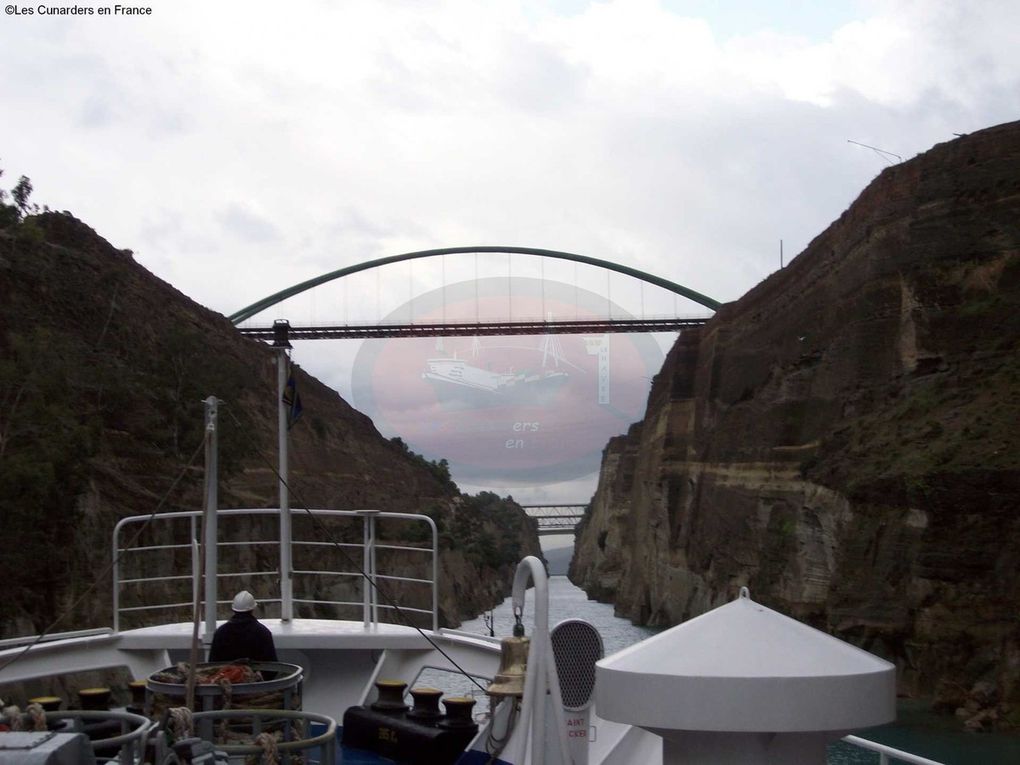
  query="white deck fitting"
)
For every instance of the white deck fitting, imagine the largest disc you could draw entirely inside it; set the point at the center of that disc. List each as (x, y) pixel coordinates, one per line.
(721, 680)
(339, 658)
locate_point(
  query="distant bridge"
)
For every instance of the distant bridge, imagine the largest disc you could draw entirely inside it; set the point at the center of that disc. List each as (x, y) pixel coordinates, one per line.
(555, 519)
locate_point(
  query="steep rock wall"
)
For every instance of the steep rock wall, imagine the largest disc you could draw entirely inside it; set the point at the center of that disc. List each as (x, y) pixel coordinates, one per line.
(844, 440)
(102, 372)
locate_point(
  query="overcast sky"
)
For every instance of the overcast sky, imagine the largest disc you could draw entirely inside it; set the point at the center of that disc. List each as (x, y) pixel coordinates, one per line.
(239, 147)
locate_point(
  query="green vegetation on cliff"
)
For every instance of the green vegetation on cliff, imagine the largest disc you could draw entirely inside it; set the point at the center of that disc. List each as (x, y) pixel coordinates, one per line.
(103, 369)
(843, 440)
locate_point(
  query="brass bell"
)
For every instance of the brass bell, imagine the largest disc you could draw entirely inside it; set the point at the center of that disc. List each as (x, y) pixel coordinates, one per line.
(513, 663)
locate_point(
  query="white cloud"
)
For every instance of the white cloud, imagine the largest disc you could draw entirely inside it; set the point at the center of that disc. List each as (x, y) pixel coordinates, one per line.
(247, 225)
(298, 139)
(893, 59)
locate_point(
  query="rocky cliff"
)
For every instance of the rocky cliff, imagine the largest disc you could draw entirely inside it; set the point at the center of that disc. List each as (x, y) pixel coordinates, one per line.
(844, 440)
(102, 371)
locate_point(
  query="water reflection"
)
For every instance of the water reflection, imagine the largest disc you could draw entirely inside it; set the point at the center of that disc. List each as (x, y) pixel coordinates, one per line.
(566, 602)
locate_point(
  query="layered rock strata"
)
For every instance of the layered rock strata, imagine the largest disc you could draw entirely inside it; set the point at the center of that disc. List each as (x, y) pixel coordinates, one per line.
(844, 440)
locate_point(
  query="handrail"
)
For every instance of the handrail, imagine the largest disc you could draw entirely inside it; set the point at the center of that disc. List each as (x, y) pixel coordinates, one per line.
(885, 752)
(51, 636)
(369, 545)
(135, 738)
(473, 635)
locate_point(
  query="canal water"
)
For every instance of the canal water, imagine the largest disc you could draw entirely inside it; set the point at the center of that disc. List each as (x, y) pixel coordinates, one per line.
(936, 737)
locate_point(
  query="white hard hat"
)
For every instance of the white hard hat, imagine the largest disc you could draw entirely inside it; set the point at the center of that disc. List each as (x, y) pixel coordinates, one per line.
(244, 601)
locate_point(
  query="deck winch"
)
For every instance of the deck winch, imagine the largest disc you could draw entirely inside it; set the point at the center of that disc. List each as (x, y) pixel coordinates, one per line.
(419, 736)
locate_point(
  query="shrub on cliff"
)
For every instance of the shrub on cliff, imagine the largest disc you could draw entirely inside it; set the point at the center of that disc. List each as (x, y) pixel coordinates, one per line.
(440, 470)
(12, 214)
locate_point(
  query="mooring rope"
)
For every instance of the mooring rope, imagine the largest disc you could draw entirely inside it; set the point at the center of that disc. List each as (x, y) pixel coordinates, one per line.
(13, 716)
(228, 701)
(181, 723)
(270, 753)
(37, 715)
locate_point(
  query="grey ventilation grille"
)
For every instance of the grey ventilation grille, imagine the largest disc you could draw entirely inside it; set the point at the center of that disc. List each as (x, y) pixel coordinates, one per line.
(576, 645)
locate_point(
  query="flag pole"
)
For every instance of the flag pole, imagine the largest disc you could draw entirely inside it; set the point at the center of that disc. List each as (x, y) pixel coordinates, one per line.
(282, 345)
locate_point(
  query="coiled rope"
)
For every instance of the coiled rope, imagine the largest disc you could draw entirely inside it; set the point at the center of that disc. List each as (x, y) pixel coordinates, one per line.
(181, 724)
(37, 715)
(270, 753)
(12, 715)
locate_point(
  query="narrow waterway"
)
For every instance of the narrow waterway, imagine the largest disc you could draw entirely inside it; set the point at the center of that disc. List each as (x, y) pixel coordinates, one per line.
(936, 737)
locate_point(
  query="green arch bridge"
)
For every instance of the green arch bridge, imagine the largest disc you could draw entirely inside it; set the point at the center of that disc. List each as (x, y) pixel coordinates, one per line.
(447, 329)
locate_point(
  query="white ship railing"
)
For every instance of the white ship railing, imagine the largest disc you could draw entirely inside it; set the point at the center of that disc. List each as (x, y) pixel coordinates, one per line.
(369, 546)
(49, 637)
(888, 754)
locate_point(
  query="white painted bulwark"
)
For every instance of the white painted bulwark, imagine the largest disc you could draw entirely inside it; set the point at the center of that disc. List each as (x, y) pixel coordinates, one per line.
(745, 668)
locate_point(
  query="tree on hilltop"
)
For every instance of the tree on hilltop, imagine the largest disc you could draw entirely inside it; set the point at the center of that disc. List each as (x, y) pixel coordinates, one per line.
(10, 214)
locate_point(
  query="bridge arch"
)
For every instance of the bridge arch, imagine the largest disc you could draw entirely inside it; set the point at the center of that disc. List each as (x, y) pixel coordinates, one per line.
(257, 307)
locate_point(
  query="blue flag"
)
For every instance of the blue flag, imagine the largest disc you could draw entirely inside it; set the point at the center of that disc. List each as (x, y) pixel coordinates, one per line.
(292, 400)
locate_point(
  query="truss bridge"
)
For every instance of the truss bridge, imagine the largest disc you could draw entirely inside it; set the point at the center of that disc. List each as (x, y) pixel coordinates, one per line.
(555, 519)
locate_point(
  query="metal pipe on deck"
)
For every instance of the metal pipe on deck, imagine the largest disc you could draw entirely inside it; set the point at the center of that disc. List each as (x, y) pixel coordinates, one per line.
(210, 517)
(282, 345)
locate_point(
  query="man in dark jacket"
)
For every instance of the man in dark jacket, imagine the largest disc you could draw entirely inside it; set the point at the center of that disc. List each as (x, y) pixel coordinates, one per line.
(242, 636)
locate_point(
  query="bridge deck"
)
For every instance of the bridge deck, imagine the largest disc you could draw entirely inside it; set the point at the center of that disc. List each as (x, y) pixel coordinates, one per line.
(484, 328)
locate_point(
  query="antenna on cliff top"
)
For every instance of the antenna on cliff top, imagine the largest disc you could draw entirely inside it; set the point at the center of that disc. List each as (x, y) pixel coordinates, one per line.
(880, 152)
(780, 253)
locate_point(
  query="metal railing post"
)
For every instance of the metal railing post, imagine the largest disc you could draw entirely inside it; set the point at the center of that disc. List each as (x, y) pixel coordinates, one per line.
(435, 575)
(196, 570)
(116, 578)
(371, 573)
(365, 564)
